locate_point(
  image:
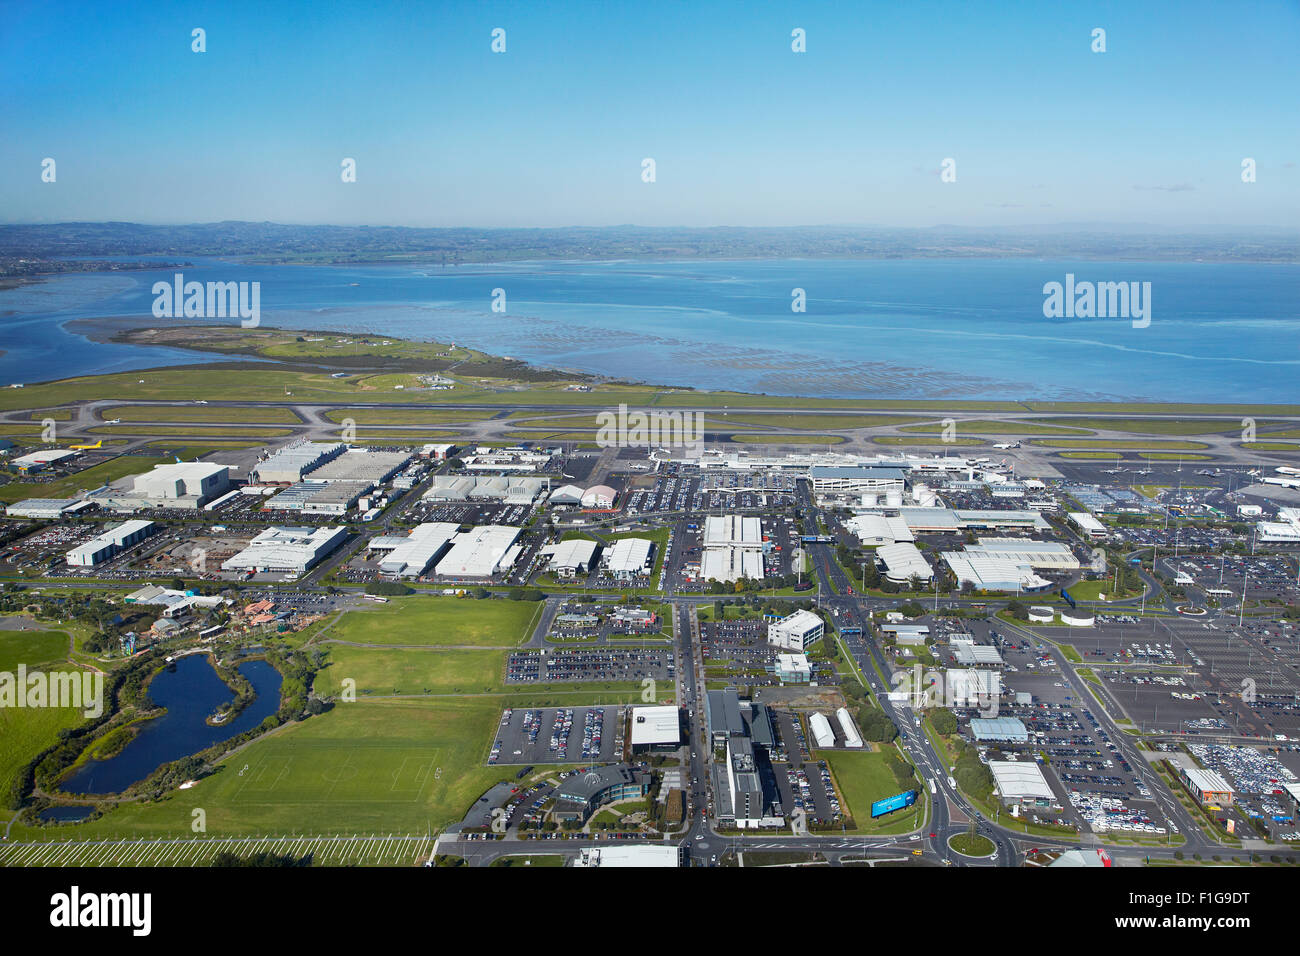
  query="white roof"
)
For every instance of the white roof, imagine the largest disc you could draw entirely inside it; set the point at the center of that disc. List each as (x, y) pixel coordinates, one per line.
(1207, 780)
(629, 855)
(800, 622)
(874, 526)
(1020, 780)
(44, 457)
(730, 564)
(478, 553)
(572, 554)
(977, 654)
(655, 725)
(1086, 521)
(732, 530)
(992, 572)
(627, 555)
(1038, 554)
(567, 494)
(902, 560)
(419, 548)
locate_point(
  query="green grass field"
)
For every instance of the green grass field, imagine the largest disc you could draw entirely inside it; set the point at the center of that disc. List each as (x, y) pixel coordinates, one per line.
(771, 438)
(1126, 443)
(407, 416)
(194, 430)
(25, 732)
(987, 427)
(864, 778)
(32, 648)
(372, 766)
(403, 671)
(89, 479)
(435, 621)
(1155, 426)
(202, 413)
(903, 440)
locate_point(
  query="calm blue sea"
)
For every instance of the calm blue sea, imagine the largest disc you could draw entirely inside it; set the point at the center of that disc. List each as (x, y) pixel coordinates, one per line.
(932, 328)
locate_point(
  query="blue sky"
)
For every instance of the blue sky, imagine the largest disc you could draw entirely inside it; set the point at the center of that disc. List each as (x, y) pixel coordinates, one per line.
(743, 130)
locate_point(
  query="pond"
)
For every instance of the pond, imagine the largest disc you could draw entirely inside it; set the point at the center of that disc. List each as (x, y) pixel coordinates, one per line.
(191, 693)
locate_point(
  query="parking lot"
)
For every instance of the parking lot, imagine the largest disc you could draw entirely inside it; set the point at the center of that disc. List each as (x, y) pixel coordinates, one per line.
(590, 664)
(542, 735)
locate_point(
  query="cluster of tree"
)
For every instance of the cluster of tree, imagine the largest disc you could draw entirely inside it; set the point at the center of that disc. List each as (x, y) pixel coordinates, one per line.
(875, 726)
(1018, 610)
(911, 609)
(525, 594)
(944, 721)
(971, 774)
(388, 588)
(904, 774)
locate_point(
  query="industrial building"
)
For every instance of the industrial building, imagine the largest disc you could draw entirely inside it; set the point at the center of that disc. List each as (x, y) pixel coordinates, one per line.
(290, 550)
(1049, 555)
(968, 687)
(48, 508)
(655, 729)
(599, 496)
(797, 632)
(40, 460)
(571, 558)
(902, 562)
(361, 464)
(510, 490)
(822, 733)
(970, 654)
(874, 529)
(851, 736)
(628, 855)
(290, 463)
(437, 452)
(960, 519)
(311, 496)
(195, 481)
(567, 495)
(733, 549)
(1088, 526)
(480, 552)
(506, 459)
(1020, 781)
(413, 554)
(627, 558)
(992, 572)
(111, 542)
(1007, 730)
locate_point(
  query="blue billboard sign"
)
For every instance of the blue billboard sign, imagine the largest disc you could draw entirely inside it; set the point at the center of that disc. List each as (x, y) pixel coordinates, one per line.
(890, 804)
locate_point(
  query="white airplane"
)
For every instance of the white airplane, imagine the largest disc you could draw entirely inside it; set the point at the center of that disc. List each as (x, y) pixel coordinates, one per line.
(115, 421)
(1007, 444)
(201, 401)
